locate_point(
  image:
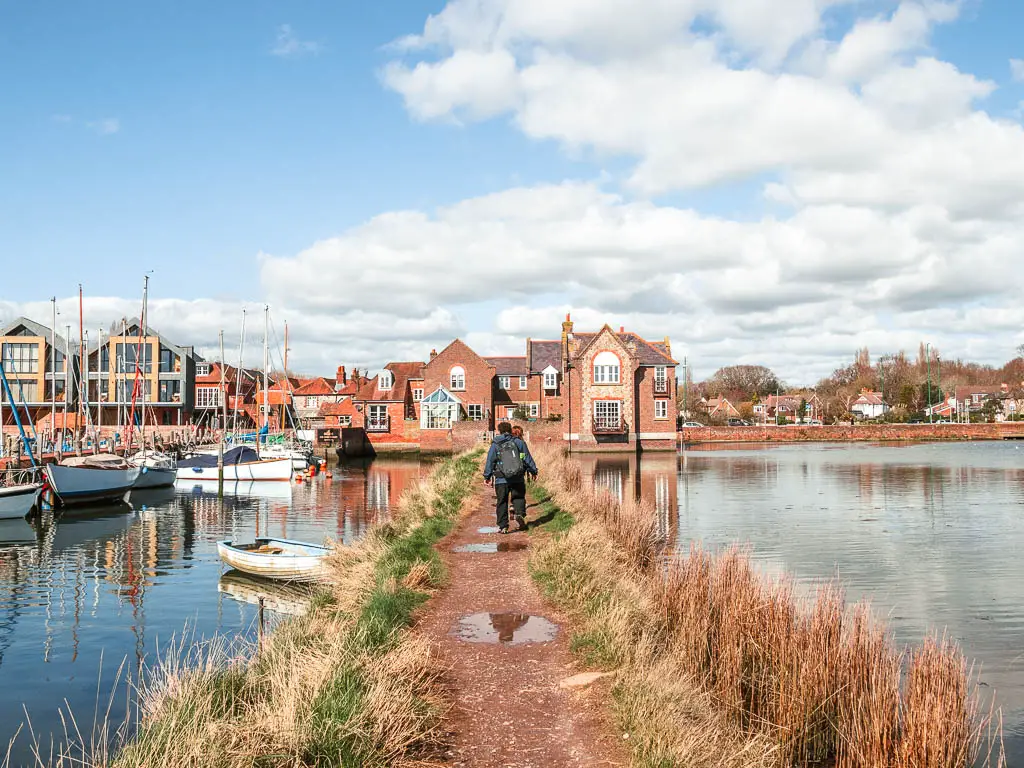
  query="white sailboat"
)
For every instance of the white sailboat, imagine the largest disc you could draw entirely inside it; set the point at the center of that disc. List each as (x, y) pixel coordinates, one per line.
(241, 464)
(156, 470)
(17, 501)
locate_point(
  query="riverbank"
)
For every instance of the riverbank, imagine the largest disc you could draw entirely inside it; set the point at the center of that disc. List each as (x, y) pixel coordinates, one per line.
(343, 684)
(839, 433)
(716, 665)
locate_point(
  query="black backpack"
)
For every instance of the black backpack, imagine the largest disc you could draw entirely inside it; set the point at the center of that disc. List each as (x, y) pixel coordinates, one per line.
(509, 463)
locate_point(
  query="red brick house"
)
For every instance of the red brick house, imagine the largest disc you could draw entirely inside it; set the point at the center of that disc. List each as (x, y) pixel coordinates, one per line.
(384, 405)
(612, 388)
(458, 384)
(239, 388)
(514, 388)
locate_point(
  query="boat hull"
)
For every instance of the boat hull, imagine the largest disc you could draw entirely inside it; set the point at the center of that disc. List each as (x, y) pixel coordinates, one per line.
(271, 469)
(155, 477)
(287, 566)
(85, 485)
(17, 501)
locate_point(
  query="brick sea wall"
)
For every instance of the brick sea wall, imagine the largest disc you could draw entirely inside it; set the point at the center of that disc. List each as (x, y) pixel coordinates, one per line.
(856, 432)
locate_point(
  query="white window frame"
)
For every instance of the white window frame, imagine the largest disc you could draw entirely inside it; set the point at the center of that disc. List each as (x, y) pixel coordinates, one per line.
(457, 378)
(475, 412)
(534, 410)
(551, 380)
(605, 371)
(661, 409)
(386, 380)
(202, 369)
(606, 413)
(376, 411)
(345, 420)
(661, 379)
(524, 382)
(417, 394)
(505, 382)
(208, 397)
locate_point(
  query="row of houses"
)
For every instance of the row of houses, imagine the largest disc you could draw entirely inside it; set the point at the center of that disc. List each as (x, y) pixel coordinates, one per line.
(599, 387)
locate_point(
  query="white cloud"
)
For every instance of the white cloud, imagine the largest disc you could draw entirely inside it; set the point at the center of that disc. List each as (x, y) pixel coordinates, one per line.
(106, 126)
(1017, 69)
(288, 45)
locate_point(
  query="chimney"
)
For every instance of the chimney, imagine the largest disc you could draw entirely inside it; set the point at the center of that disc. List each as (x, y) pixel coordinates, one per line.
(433, 354)
(341, 377)
(622, 329)
(566, 334)
(668, 347)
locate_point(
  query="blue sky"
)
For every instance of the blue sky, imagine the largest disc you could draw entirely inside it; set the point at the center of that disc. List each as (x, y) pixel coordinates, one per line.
(171, 137)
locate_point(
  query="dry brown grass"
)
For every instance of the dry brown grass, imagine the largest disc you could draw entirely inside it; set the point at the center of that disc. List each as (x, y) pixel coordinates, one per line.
(344, 685)
(720, 665)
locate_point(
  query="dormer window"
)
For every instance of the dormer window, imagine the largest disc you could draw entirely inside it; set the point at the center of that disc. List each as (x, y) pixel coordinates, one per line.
(202, 369)
(550, 378)
(386, 380)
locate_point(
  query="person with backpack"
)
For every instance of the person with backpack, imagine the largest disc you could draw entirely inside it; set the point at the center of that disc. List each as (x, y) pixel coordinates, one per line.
(508, 462)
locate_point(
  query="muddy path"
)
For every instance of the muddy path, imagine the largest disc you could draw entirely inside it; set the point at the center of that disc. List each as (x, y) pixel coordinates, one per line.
(509, 659)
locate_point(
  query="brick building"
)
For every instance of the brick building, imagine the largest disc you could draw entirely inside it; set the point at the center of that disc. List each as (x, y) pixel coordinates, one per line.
(384, 405)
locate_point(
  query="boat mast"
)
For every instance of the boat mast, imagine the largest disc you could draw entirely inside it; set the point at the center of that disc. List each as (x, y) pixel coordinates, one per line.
(281, 421)
(83, 359)
(53, 375)
(266, 372)
(144, 333)
(67, 381)
(99, 382)
(238, 378)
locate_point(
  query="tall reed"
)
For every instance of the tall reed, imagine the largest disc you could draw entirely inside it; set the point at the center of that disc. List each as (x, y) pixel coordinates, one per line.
(818, 680)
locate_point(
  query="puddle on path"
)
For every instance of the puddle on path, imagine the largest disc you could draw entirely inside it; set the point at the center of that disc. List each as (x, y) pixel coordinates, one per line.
(491, 547)
(488, 529)
(505, 628)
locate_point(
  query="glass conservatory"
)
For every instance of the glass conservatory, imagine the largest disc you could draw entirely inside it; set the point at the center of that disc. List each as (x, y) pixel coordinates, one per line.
(439, 410)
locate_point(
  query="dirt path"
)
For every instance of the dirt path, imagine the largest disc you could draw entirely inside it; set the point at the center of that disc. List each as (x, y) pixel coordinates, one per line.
(509, 708)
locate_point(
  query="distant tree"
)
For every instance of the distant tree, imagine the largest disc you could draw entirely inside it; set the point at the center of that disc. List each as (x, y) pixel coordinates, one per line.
(908, 396)
(936, 397)
(991, 407)
(520, 413)
(802, 413)
(744, 381)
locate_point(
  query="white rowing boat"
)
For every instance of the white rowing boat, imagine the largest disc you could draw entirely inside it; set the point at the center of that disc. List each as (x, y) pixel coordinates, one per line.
(276, 558)
(91, 479)
(17, 500)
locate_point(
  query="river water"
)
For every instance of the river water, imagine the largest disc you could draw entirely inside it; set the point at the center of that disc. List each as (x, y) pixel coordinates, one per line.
(931, 534)
(102, 587)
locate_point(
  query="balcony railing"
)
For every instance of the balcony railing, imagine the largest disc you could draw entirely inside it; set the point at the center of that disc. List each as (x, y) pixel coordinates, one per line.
(609, 425)
(378, 424)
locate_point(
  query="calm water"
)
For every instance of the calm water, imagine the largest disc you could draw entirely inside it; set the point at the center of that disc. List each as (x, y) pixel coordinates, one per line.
(932, 535)
(119, 583)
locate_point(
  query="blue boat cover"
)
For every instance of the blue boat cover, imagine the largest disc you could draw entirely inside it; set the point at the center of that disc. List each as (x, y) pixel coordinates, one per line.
(239, 455)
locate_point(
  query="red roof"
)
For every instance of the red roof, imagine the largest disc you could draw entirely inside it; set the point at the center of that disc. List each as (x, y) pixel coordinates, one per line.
(867, 397)
(402, 373)
(317, 386)
(344, 408)
(509, 366)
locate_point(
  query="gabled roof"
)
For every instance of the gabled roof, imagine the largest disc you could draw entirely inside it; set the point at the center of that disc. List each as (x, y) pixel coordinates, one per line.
(370, 391)
(344, 408)
(509, 366)
(978, 389)
(647, 352)
(315, 387)
(867, 397)
(36, 330)
(541, 354)
(441, 395)
(133, 326)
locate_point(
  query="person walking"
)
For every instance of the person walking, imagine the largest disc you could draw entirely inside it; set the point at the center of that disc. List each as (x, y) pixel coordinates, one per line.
(508, 462)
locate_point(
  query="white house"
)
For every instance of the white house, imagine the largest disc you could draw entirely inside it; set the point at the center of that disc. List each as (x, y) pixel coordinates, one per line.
(869, 405)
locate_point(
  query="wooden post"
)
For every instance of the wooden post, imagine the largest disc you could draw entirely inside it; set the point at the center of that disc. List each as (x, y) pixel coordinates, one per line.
(259, 628)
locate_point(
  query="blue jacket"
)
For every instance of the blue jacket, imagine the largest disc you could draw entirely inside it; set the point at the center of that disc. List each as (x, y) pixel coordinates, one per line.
(492, 458)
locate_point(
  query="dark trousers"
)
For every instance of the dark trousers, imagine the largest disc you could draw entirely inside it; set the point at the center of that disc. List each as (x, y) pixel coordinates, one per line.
(514, 489)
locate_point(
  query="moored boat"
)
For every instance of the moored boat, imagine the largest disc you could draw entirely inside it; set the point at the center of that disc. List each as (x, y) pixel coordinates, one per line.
(240, 464)
(90, 479)
(18, 500)
(274, 558)
(156, 470)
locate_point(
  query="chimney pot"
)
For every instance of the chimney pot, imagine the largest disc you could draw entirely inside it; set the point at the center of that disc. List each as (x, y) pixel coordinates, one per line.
(622, 329)
(433, 354)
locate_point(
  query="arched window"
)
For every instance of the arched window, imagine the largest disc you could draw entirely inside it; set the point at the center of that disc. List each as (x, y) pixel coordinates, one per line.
(606, 368)
(458, 378)
(386, 380)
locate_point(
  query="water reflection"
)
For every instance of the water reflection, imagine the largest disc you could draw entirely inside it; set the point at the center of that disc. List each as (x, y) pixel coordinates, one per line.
(652, 477)
(930, 534)
(119, 582)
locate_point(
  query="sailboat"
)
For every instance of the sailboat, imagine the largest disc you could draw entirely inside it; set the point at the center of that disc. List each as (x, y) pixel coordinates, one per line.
(241, 464)
(102, 477)
(156, 469)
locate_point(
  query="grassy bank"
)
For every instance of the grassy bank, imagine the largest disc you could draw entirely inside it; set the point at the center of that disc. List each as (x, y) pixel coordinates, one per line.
(343, 685)
(719, 666)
